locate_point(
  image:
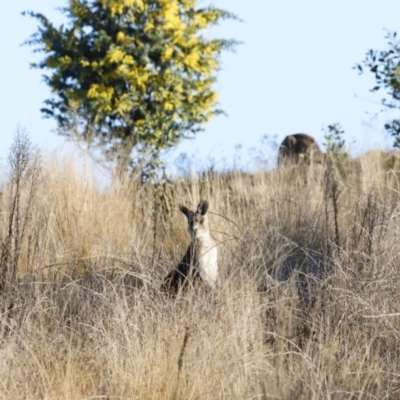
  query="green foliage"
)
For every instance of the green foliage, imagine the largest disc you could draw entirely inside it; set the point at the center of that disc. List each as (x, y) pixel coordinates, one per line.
(139, 74)
(336, 149)
(385, 66)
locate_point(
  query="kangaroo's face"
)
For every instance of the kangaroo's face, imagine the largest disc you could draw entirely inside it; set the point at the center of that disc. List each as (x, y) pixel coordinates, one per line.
(197, 220)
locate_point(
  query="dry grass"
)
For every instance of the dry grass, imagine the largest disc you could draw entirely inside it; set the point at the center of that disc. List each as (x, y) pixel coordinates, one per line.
(307, 307)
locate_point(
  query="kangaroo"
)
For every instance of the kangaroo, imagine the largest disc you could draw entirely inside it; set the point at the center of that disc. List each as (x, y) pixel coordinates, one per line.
(200, 260)
(299, 147)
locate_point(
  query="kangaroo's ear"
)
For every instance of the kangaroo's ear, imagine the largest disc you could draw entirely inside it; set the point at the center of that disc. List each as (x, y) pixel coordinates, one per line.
(202, 208)
(292, 141)
(184, 209)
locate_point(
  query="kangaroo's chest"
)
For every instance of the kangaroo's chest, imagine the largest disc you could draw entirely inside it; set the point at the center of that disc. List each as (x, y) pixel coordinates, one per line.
(207, 264)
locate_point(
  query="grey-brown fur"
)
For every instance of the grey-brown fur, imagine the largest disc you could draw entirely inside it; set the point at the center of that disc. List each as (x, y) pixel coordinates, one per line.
(299, 147)
(200, 260)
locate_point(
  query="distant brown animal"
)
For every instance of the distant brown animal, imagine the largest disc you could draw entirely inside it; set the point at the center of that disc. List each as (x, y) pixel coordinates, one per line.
(200, 260)
(299, 147)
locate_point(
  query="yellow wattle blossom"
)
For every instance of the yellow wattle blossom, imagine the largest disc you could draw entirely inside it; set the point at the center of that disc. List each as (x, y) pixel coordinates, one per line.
(65, 60)
(168, 106)
(101, 93)
(123, 105)
(209, 100)
(131, 3)
(117, 6)
(93, 91)
(149, 26)
(200, 21)
(120, 37)
(142, 80)
(189, 3)
(129, 60)
(115, 55)
(178, 88)
(167, 55)
(191, 42)
(192, 60)
(170, 13)
(84, 63)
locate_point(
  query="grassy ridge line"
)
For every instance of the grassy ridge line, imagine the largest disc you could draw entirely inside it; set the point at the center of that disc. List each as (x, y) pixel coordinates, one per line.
(295, 317)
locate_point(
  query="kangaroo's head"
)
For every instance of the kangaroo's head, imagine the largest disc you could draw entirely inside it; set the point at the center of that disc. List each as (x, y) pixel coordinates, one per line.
(197, 220)
(299, 148)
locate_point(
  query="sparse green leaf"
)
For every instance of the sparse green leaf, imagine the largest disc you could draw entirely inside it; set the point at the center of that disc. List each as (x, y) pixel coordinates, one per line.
(385, 66)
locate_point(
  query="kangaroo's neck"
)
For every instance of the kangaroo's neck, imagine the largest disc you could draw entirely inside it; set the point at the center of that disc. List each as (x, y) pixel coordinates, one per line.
(203, 239)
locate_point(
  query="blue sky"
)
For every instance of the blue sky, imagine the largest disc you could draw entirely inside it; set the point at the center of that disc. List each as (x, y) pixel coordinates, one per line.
(293, 73)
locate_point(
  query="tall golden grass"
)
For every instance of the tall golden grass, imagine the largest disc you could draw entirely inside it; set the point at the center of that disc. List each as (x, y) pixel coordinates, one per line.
(308, 303)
